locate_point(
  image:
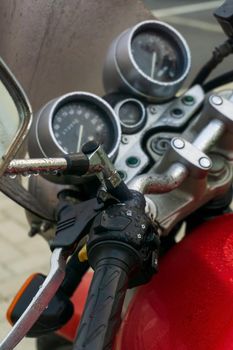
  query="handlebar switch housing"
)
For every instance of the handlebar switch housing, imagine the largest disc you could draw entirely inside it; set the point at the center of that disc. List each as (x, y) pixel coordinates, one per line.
(125, 227)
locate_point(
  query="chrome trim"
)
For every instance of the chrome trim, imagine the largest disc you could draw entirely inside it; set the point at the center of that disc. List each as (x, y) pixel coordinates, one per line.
(24, 109)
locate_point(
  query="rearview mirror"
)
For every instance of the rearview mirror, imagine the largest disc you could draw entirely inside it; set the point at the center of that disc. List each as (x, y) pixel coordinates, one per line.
(15, 116)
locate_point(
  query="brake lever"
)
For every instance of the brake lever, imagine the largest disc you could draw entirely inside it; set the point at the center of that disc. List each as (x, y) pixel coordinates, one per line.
(39, 302)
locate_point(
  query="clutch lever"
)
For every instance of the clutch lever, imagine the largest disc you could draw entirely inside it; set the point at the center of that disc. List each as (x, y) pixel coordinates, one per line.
(39, 302)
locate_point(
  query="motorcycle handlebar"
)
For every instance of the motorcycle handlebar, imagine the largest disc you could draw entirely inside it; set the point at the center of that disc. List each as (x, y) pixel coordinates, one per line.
(77, 164)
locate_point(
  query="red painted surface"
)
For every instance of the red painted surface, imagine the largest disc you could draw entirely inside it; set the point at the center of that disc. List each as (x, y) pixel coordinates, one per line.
(189, 304)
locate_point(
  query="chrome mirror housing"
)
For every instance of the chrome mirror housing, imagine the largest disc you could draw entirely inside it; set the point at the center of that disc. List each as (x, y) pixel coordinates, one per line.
(15, 116)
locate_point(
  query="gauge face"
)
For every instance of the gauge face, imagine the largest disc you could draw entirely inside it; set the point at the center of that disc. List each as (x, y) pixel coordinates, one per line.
(150, 60)
(131, 113)
(157, 56)
(76, 123)
(66, 123)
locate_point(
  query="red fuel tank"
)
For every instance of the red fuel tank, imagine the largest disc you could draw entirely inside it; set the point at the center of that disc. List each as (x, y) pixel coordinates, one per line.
(188, 305)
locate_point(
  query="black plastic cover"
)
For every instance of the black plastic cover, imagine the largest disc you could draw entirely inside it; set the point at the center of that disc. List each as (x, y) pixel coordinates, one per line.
(57, 314)
(224, 15)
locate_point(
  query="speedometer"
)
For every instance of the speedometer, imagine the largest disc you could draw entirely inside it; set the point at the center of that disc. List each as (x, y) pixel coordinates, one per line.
(65, 124)
(75, 123)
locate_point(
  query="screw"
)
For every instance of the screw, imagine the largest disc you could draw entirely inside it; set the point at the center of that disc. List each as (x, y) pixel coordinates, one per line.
(139, 236)
(205, 162)
(153, 110)
(129, 213)
(124, 140)
(178, 143)
(177, 113)
(216, 100)
(143, 226)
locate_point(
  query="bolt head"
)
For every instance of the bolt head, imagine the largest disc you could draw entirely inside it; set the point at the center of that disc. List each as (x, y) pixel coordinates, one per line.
(153, 110)
(139, 236)
(205, 162)
(216, 100)
(124, 140)
(178, 143)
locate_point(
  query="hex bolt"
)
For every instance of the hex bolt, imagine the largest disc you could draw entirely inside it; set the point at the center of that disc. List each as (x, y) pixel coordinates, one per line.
(216, 100)
(139, 235)
(178, 143)
(124, 140)
(205, 162)
(143, 226)
(153, 109)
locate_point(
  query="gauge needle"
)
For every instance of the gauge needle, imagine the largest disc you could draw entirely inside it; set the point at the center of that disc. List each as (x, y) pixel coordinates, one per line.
(80, 135)
(162, 71)
(154, 57)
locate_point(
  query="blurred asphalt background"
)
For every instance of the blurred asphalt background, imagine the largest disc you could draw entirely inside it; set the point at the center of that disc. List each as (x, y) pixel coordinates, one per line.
(19, 255)
(195, 20)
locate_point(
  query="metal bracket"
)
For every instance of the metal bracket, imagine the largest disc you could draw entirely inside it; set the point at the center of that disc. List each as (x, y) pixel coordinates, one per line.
(182, 151)
(102, 166)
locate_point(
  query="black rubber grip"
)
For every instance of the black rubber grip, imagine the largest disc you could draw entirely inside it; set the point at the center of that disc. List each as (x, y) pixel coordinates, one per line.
(102, 314)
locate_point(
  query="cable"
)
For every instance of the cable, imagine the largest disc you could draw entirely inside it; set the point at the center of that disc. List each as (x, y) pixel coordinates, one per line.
(220, 80)
(218, 55)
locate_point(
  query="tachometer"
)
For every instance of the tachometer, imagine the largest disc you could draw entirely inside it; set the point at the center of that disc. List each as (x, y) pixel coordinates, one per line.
(150, 60)
(156, 56)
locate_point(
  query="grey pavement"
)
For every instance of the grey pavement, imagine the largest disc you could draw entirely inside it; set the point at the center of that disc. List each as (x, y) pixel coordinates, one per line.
(19, 255)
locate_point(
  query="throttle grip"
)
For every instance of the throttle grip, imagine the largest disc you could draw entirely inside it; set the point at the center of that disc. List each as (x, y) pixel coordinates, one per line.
(120, 242)
(102, 315)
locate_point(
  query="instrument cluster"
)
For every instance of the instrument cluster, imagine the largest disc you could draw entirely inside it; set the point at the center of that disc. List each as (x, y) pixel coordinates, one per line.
(144, 68)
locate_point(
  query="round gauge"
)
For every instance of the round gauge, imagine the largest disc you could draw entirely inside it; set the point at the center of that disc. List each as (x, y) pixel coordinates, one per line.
(156, 56)
(76, 123)
(151, 60)
(132, 115)
(65, 124)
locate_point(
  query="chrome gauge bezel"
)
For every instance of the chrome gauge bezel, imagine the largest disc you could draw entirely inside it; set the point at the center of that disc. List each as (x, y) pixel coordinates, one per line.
(131, 129)
(45, 141)
(121, 72)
